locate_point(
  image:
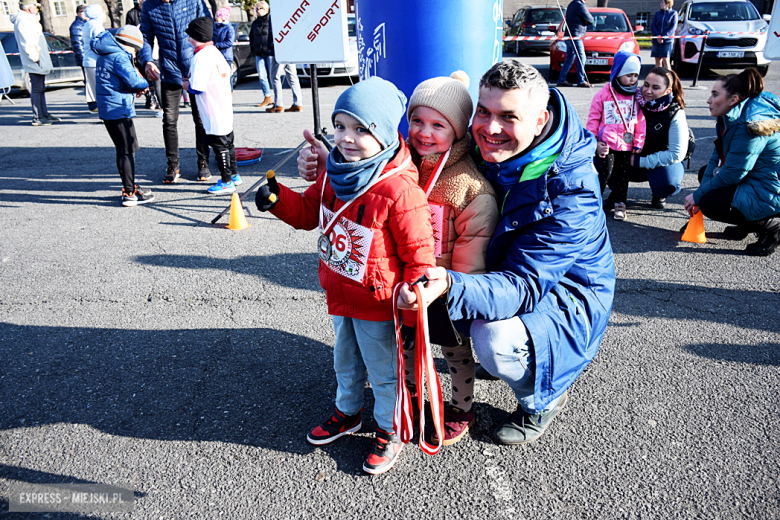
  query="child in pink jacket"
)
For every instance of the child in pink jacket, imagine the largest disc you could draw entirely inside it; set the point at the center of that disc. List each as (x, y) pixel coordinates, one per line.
(619, 126)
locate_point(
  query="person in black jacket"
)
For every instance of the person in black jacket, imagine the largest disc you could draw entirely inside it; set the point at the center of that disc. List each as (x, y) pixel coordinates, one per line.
(133, 16)
(577, 18)
(261, 41)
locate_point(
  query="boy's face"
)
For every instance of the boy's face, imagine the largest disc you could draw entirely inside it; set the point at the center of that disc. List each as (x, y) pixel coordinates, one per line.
(430, 132)
(628, 80)
(353, 140)
(194, 43)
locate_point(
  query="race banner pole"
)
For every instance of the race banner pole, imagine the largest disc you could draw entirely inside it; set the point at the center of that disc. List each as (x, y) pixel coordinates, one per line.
(319, 133)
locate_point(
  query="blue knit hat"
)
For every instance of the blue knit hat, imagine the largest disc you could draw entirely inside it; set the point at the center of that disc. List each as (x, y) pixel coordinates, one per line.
(378, 105)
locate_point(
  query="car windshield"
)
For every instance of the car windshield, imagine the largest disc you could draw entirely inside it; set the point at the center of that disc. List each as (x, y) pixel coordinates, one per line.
(9, 43)
(544, 17)
(609, 22)
(723, 12)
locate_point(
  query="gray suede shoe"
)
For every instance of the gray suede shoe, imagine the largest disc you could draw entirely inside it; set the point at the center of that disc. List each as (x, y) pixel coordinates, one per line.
(521, 427)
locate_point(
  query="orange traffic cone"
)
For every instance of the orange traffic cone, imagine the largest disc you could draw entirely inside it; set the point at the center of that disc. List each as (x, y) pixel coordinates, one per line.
(695, 230)
(237, 217)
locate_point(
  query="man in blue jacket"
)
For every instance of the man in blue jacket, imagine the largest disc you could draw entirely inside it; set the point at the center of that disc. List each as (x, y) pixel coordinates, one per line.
(167, 20)
(536, 318)
(578, 19)
(76, 31)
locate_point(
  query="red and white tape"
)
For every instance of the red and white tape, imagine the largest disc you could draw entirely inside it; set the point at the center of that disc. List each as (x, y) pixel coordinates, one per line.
(50, 52)
(563, 38)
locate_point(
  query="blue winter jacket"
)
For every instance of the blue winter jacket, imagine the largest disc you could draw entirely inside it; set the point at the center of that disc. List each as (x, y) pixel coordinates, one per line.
(117, 79)
(76, 41)
(224, 35)
(751, 145)
(549, 261)
(664, 23)
(92, 28)
(167, 22)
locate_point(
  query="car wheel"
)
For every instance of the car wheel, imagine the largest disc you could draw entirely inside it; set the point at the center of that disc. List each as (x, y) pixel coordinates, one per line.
(554, 75)
(233, 74)
(763, 70)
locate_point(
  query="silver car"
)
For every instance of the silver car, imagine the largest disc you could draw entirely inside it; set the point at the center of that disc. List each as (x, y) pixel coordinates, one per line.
(738, 40)
(64, 66)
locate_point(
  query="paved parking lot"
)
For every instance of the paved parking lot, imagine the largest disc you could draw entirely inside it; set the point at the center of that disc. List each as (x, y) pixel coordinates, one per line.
(147, 347)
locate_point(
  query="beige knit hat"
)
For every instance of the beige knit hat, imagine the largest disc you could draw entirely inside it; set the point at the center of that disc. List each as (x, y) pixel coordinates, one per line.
(449, 96)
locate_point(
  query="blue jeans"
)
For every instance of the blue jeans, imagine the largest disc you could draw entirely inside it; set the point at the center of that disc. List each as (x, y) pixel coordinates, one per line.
(264, 66)
(664, 181)
(505, 350)
(366, 346)
(571, 45)
(288, 70)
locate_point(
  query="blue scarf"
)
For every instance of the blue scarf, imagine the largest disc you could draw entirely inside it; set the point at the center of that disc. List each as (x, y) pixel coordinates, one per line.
(348, 178)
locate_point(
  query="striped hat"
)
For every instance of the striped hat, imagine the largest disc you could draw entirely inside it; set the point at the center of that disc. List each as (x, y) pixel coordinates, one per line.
(131, 36)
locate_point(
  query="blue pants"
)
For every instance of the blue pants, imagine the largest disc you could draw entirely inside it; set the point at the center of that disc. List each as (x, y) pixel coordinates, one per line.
(571, 45)
(664, 181)
(366, 346)
(264, 66)
(505, 350)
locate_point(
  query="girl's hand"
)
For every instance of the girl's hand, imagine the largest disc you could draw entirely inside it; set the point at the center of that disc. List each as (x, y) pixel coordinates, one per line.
(690, 206)
(602, 149)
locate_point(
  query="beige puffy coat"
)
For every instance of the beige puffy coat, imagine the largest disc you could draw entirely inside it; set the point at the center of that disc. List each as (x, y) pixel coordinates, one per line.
(33, 50)
(470, 208)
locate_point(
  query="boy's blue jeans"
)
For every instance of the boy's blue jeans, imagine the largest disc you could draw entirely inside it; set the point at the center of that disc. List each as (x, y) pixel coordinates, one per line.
(366, 347)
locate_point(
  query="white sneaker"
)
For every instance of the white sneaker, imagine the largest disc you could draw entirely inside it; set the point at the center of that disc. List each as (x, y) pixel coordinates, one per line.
(620, 211)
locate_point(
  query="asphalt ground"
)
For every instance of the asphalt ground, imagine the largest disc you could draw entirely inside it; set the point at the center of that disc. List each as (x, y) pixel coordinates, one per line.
(145, 346)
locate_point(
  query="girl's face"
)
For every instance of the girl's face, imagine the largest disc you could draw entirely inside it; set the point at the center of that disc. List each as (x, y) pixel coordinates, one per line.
(430, 132)
(628, 80)
(664, 7)
(720, 102)
(353, 140)
(654, 87)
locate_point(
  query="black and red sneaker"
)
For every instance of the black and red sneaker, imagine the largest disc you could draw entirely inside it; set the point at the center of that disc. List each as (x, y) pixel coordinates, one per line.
(337, 426)
(384, 454)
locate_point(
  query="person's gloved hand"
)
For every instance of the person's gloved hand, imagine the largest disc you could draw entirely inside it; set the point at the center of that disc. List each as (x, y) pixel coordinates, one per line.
(268, 194)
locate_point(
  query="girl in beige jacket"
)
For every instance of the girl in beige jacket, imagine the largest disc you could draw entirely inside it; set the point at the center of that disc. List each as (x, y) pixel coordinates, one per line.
(463, 210)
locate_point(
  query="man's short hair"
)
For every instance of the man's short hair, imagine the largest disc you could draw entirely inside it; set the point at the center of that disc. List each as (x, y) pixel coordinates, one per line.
(511, 75)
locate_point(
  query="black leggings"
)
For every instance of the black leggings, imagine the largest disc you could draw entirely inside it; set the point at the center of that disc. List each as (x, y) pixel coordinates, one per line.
(614, 172)
(225, 152)
(716, 205)
(122, 133)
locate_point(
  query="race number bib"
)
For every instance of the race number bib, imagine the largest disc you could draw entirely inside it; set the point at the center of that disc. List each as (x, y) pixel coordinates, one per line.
(611, 115)
(350, 243)
(437, 219)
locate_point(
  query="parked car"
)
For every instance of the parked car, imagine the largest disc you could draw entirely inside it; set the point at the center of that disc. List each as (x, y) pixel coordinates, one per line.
(342, 69)
(243, 60)
(722, 51)
(532, 21)
(65, 69)
(612, 23)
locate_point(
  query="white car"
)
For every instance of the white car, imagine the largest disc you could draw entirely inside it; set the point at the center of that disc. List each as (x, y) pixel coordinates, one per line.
(342, 69)
(738, 42)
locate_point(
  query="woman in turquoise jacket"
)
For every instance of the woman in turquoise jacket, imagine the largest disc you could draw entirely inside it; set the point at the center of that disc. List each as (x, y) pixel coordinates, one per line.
(740, 185)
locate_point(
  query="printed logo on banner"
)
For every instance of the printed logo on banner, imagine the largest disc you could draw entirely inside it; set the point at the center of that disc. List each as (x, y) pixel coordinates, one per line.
(351, 244)
(310, 31)
(498, 44)
(772, 47)
(372, 54)
(611, 116)
(437, 219)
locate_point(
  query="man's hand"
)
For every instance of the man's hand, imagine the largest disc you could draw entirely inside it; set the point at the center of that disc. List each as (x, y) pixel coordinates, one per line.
(602, 149)
(312, 160)
(152, 71)
(690, 206)
(435, 287)
(185, 84)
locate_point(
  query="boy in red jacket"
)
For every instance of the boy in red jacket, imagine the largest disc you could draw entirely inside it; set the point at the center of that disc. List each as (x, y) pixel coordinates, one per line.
(375, 232)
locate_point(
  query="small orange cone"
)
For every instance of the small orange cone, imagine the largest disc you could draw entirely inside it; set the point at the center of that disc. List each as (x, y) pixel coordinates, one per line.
(237, 217)
(695, 230)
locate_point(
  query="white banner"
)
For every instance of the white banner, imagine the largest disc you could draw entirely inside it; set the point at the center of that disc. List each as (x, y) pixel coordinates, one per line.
(772, 48)
(310, 31)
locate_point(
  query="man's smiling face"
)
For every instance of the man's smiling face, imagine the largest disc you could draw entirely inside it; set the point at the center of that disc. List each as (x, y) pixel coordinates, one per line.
(502, 126)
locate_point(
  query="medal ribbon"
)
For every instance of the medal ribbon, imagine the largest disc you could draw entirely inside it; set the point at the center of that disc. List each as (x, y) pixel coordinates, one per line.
(437, 171)
(360, 193)
(620, 112)
(402, 419)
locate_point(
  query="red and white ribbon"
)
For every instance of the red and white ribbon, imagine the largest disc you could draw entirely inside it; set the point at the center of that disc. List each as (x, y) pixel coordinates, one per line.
(564, 38)
(423, 360)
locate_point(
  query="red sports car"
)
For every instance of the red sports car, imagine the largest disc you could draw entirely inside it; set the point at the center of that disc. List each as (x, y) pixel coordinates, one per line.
(612, 25)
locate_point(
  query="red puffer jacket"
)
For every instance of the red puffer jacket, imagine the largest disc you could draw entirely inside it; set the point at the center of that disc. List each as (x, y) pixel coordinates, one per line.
(396, 212)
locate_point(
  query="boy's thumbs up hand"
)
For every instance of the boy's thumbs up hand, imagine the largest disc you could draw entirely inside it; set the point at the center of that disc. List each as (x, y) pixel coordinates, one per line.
(268, 194)
(312, 160)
